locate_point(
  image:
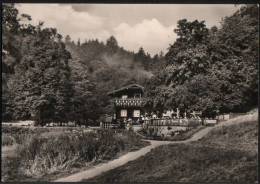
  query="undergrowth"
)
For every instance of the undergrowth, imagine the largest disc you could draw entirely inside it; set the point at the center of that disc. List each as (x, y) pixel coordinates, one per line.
(40, 156)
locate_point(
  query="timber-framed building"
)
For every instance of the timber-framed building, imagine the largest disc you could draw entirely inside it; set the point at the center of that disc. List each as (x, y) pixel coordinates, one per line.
(128, 102)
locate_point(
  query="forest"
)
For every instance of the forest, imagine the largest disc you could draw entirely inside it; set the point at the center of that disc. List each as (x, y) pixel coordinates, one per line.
(47, 77)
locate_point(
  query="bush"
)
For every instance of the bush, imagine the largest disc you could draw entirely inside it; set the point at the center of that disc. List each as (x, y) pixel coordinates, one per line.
(20, 134)
(7, 140)
(44, 155)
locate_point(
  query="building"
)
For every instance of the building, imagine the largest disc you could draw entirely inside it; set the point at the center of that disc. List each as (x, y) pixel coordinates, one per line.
(128, 102)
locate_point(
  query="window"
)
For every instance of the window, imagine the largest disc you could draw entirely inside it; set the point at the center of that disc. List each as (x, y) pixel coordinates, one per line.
(123, 113)
(136, 113)
(124, 96)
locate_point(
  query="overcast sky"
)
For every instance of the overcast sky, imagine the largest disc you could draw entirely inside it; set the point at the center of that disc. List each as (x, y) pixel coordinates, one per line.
(134, 25)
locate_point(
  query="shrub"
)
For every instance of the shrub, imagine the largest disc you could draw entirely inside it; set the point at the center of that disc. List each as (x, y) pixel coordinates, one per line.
(20, 134)
(44, 155)
(7, 140)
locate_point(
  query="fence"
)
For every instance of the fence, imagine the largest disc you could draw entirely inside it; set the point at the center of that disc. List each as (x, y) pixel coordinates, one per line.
(110, 125)
(165, 122)
(173, 122)
(106, 125)
(228, 116)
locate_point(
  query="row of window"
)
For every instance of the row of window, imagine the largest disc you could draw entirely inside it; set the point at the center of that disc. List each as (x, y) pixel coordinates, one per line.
(136, 113)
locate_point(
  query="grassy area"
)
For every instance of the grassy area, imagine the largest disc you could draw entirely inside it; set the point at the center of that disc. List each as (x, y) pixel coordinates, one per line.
(227, 154)
(17, 135)
(183, 135)
(45, 154)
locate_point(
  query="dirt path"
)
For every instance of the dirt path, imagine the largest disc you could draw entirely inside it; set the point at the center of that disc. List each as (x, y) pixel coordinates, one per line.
(92, 172)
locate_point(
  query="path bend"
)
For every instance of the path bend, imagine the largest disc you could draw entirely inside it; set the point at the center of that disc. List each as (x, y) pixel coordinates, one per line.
(104, 167)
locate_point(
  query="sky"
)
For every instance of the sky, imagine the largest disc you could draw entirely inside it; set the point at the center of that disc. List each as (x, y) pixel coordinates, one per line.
(134, 25)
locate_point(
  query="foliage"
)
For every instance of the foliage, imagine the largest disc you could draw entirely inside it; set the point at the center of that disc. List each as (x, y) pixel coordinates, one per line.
(210, 70)
(41, 154)
(213, 70)
(234, 53)
(40, 87)
(12, 31)
(7, 140)
(152, 132)
(48, 82)
(101, 68)
(20, 134)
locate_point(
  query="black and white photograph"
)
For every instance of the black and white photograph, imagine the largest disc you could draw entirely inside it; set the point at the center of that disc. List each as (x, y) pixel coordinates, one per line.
(116, 93)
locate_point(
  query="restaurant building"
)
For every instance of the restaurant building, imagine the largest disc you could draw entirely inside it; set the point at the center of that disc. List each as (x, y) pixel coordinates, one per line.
(128, 102)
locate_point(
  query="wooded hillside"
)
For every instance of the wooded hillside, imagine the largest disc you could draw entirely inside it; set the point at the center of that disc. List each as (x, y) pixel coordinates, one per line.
(213, 70)
(49, 78)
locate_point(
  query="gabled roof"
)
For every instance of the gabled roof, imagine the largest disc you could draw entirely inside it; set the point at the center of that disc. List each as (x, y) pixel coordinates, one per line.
(133, 86)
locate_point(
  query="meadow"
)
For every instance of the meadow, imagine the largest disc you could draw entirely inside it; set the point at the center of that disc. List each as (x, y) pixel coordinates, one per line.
(47, 153)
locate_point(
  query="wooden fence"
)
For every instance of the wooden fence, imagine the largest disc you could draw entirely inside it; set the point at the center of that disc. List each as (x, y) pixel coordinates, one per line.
(166, 122)
(173, 122)
(106, 125)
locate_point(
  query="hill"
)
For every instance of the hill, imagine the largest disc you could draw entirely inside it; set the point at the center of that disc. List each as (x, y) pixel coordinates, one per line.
(227, 154)
(108, 66)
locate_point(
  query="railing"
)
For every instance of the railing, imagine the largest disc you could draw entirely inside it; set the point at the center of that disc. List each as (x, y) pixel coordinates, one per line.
(106, 125)
(129, 102)
(172, 122)
(110, 125)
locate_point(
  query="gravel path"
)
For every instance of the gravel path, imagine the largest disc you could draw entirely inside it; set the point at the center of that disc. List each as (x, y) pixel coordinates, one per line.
(92, 172)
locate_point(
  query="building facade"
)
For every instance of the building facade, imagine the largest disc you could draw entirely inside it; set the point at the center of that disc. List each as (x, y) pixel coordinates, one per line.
(128, 102)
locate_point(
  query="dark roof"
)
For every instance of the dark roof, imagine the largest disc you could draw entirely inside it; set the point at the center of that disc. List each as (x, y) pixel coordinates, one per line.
(127, 87)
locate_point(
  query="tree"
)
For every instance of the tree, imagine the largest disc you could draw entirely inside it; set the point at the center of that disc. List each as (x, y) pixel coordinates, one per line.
(41, 86)
(78, 43)
(144, 59)
(13, 32)
(234, 52)
(112, 44)
(188, 56)
(190, 34)
(104, 69)
(67, 39)
(211, 70)
(84, 105)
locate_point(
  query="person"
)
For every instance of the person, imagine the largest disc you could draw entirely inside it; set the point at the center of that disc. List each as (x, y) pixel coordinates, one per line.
(129, 124)
(137, 121)
(178, 113)
(121, 124)
(141, 120)
(185, 115)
